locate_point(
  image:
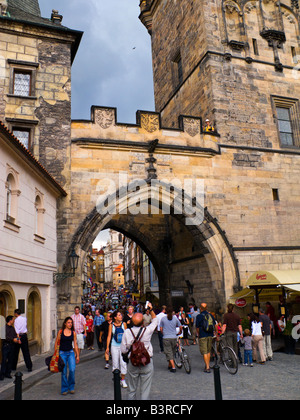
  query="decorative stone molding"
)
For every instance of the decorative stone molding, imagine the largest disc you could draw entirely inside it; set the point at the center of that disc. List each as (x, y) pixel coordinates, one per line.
(192, 126)
(105, 117)
(149, 122)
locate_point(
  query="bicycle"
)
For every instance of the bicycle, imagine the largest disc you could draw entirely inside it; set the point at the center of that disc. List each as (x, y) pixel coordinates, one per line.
(226, 356)
(181, 358)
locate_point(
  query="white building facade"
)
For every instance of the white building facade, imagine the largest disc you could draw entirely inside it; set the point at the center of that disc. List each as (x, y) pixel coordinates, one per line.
(28, 241)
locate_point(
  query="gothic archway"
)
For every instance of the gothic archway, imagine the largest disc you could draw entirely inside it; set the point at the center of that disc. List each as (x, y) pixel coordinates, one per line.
(181, 248)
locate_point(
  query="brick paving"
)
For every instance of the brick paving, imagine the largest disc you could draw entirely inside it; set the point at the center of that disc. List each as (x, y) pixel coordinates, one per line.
(278, 379)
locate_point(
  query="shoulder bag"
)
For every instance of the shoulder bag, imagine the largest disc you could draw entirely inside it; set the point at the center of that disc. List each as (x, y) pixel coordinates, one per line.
(55, 363)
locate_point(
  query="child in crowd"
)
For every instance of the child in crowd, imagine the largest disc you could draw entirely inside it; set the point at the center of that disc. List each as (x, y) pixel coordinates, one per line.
(247, 340)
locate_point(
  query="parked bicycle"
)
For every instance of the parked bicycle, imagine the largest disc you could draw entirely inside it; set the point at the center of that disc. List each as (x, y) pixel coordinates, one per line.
(181, 358)
(225, 355)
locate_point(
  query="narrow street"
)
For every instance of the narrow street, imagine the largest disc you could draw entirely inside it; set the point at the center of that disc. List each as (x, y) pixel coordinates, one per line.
(278, 379)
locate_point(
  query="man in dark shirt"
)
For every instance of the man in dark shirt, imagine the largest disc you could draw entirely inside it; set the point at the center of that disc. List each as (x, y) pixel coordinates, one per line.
(8, 347)
(232, 325)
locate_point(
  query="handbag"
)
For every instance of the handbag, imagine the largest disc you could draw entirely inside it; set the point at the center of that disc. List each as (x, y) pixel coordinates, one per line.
(55, 363)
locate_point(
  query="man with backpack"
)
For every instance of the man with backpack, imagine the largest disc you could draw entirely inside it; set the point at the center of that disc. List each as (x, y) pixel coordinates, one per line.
(206, 326)
(136, 342)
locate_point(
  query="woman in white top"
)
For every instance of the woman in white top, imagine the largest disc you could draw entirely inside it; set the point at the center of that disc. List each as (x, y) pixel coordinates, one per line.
(115, 333)
(257, 338)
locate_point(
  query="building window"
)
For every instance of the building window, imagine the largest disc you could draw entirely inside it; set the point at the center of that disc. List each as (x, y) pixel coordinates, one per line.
(39, 218)
(22, 78)
(11, 205)
(287, 112)
(285, 126)
(275, 194)
(23, 135)
(294, 55)
(22, 83)
(255, 46)
(10, 199)
(9, 182)
(177, 70)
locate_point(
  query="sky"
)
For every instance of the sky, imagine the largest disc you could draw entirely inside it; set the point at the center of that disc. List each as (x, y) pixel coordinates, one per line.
(113, 65)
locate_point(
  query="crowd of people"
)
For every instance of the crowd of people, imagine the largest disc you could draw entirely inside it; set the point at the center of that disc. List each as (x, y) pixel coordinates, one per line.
(115, 328)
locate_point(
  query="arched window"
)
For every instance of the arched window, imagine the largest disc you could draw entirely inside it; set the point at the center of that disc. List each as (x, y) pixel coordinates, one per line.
(120, 237)
(8, 196)
(11, 199)
(39, 218)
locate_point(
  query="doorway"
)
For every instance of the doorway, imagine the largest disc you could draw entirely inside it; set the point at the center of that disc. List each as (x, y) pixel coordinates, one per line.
(7, 306)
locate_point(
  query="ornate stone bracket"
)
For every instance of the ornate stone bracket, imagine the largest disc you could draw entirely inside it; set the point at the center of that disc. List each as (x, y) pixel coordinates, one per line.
(275, 40)
(151, 160)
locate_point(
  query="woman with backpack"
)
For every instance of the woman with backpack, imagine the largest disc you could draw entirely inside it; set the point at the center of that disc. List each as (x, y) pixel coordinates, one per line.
(115, 334)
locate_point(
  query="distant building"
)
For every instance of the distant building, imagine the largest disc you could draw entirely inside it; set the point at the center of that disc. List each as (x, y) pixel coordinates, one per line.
(118, 276)
(113, 256)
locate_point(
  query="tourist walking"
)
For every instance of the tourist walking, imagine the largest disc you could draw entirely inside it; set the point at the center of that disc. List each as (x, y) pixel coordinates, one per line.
(147, 317)
(205, 334)
(103, 337)
(185, 326)
(267, 328)
(67, 338)
(194, 315)
(140, 377)
(89, 332)
(98, 321)
(20, 326)
(161, 315)
(128, 316)
(231, 326)
(257, 338)
(168, 328)
(8, 343)
(115, 334)
(79, 327)
(247, 341)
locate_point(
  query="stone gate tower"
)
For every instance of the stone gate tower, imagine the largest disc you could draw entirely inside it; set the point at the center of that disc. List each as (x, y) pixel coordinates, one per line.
(232, 61)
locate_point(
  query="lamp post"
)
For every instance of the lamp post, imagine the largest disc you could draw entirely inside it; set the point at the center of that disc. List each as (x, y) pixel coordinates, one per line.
(73, 259)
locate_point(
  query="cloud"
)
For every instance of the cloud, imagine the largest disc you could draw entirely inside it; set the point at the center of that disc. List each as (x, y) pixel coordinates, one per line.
(113, 65)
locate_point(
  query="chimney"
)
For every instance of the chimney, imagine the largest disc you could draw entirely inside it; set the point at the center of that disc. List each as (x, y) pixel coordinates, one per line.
(55, 17)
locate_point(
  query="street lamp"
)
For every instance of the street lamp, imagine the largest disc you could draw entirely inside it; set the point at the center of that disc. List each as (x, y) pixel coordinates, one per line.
(73, 259)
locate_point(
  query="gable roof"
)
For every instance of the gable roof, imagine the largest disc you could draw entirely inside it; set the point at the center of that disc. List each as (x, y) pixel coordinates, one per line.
(17, 145)
(28, 11)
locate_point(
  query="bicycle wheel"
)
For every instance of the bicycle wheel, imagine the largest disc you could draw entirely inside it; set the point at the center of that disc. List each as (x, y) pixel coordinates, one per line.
(230, 360)
(177, 359)
(186, 361)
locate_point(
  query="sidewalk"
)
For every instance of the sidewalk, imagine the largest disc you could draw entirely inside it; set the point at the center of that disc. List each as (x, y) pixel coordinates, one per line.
(39, 372)
(95, 370)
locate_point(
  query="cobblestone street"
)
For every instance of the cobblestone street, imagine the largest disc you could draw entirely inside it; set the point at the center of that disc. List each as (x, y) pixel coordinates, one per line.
(277, 380)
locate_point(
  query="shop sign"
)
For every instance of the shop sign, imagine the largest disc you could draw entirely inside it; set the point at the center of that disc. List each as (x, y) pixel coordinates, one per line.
(241, 303)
